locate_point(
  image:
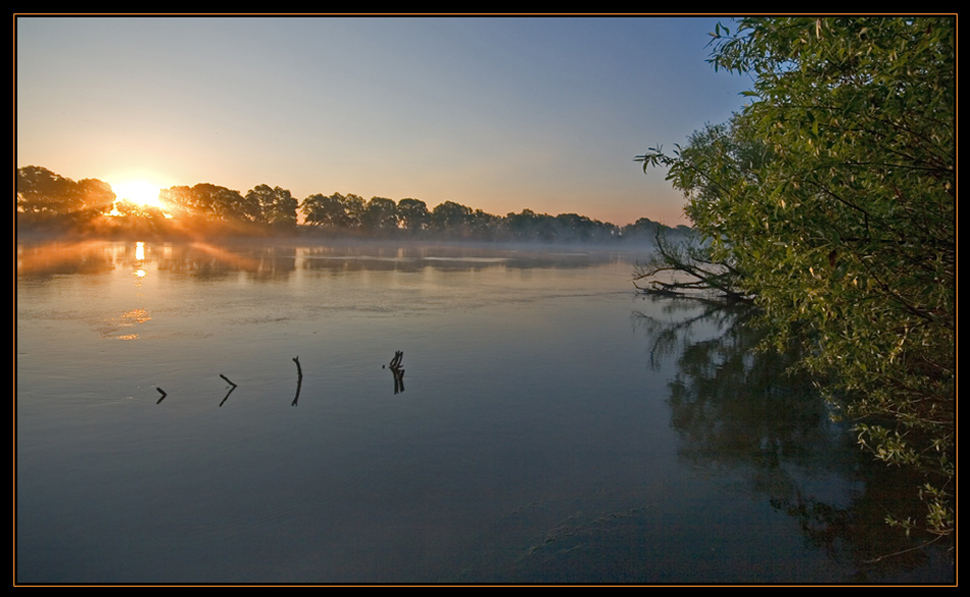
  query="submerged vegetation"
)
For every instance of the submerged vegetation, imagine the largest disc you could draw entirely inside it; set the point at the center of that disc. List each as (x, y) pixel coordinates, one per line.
(829, 203)
(50, 203)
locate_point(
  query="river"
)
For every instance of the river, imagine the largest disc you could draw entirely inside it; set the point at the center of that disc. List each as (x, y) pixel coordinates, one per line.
(381, 413)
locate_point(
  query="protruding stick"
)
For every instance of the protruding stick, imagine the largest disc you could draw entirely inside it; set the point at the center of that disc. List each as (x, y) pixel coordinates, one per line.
(299, 380)
(231, 390)
(398, 371)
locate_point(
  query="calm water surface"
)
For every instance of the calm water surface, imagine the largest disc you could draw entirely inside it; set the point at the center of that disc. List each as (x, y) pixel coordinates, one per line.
(548, 426)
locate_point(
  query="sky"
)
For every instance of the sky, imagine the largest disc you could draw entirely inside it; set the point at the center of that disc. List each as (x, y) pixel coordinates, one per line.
(496, 113)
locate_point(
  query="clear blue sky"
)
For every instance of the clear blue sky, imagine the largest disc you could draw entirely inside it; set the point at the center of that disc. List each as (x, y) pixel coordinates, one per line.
(495, 113)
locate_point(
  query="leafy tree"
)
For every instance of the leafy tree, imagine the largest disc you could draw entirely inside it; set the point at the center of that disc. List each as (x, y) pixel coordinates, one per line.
(380, 215)
(483, 225)
(451, 219)
(833, 193)
(527, 225)
(337, 211)
(413, 214)
(276, 206)
(212, 202)
(126, 208)
(43, 193)
(94, 197)
(642, 228)
(574, 227)
(322, 210)
(354, 208)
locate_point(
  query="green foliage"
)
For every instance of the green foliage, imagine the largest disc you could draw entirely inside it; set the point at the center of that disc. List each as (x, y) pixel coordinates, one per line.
(834, 192)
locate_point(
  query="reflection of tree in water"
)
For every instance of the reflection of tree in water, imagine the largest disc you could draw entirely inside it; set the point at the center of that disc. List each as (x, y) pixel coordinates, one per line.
(739, 408)
(731, 402)
(207, 261)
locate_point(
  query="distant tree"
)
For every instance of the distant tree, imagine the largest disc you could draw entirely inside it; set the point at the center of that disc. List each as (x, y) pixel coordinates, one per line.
(126, 208)
(531, 226)
(413, 214)
(643, 228)
(179, 199)
(327, 211)
(336, 212)
(521, 226)
(277, 207)
(574, 227)
(43, 193)
(380, 216)
(94, 196)
(451, 219)
(354, 207)
(483, 225)
(571, 226)
(212, 202)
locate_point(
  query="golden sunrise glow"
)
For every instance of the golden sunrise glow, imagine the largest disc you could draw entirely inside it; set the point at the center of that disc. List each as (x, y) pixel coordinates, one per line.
(139, 192)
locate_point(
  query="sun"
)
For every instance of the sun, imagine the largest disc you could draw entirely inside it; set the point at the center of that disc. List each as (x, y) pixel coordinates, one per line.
(139, 192)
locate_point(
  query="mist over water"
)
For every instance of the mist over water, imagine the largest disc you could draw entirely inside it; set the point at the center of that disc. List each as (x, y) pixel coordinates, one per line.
(371, 413)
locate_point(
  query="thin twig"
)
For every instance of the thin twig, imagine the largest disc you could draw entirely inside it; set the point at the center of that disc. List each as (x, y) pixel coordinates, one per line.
(901, 552)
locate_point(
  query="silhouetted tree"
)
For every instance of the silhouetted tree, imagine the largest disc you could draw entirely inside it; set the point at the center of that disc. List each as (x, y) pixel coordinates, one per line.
(212, 202)
(413, 214)
(354, 207)
(41, 192)
(380, 216)
(277, 207)
(643, 228)
(484, 226)
(323, 210)
(451, 219)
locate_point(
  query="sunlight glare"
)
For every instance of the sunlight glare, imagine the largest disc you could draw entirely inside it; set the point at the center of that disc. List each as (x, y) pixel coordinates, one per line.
(139, 192)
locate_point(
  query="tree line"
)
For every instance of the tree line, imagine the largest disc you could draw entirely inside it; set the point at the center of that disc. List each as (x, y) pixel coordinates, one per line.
(46, 200)
(829, 203)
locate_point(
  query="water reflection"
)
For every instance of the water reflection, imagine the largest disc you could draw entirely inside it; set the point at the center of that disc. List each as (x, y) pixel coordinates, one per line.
(111, 327)
(529, 454)
(744, 411)
(52, 259)
(274, 262)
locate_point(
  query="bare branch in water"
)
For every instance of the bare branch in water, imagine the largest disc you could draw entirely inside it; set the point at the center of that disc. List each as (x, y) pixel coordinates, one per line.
(231, 390)
(299, 380)
(397, 371)
(686, 270)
